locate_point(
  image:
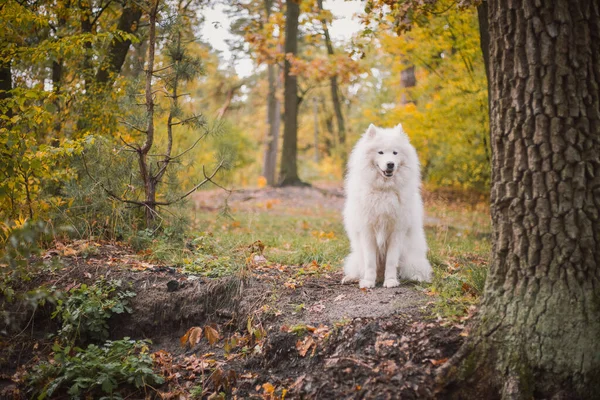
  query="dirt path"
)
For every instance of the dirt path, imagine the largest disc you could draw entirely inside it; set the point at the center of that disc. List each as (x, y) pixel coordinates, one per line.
(282, 333)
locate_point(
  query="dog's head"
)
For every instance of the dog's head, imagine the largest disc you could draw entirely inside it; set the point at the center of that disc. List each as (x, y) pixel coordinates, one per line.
(390, 150)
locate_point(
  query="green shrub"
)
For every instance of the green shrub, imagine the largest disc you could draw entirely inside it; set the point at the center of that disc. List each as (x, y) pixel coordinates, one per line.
(18, 264)
(115, 369)
(84, 314)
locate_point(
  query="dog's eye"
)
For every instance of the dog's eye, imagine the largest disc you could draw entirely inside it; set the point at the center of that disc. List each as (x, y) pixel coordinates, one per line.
(395, 153)
(381, 152)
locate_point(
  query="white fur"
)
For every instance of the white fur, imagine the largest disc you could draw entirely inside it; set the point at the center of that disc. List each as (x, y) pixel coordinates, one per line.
(383, 215)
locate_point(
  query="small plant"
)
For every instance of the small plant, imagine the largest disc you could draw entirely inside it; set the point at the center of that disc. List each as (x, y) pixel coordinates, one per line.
(18, 263)
(211, 266)
(114, 369)
(84, 314)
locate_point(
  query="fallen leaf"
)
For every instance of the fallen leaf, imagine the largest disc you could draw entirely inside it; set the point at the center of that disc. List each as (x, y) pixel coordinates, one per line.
(191, 337)
(212, 335)
(304, 345)
(267, 387)
(439, 362)
(261, 182)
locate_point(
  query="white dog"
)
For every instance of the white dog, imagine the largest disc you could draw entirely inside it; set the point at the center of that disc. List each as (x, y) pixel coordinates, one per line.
(383, 214)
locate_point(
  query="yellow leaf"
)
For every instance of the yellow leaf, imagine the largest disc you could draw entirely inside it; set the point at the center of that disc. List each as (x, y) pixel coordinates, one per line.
(267, 387)
(261, 182)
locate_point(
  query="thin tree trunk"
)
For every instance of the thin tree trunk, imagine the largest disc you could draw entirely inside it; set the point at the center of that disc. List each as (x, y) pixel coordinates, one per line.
(118, 48)
(316, 127)
(146, 173)
(333, 85)
(407, 80)
(289, 167)
(484, 42)
(269, 162)
(273, 115)
(273, 124)
(539, 326)
(86, 26)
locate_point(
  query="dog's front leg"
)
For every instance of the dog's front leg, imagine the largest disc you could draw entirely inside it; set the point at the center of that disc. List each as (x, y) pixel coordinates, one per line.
(392, 259)
(369, 252)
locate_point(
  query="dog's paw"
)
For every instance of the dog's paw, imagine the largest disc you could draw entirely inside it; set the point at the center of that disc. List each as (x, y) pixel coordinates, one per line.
(392, 282)
(366, 283)
(349, 279)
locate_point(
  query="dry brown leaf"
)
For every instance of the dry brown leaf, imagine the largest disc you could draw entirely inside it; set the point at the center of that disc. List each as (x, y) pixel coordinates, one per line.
(191, 337)
(212, 335)
(439, 362)
(304, 345)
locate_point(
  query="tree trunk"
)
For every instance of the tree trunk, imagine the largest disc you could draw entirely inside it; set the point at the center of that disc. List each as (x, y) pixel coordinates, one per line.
(273, 116)
(316, 127)
(145, 171)
(6, 84)
(407, 80)
(289, 168)
(273, 123)
(538, 330)
(118, 48)
(484, 43)
(333, 85)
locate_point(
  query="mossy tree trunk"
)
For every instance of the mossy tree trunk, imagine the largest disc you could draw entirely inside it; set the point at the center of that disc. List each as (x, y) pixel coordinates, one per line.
(538, 331)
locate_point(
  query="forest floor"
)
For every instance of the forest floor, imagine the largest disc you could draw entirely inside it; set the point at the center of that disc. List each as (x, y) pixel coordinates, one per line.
(252, 306)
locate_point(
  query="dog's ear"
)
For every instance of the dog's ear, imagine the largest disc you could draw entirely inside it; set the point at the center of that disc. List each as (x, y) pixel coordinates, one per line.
(399, 128)
(371, 131)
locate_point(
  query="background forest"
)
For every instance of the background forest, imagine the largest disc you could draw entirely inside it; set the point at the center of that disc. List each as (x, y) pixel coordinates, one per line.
(145, 180)
(72, 101)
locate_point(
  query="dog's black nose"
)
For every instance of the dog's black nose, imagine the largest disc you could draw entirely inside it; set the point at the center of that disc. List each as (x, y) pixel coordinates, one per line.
(390, 165)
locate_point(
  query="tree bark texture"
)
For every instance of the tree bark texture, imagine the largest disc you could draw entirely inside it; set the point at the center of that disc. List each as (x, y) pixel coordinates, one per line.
(289, 169)
(538, 330)
(118, 48)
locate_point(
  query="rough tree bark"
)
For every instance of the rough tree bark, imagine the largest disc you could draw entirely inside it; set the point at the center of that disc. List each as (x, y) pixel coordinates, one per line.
(537, 333)
(288, 174)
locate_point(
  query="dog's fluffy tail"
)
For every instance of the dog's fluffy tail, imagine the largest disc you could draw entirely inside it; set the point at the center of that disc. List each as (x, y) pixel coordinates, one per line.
(351, 268)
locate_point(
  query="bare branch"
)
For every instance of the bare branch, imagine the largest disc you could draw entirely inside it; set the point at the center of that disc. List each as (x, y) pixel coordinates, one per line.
(133, 126)
(192, 190)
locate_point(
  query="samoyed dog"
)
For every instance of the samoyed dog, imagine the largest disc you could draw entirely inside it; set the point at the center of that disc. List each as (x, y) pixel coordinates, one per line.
(383, 213)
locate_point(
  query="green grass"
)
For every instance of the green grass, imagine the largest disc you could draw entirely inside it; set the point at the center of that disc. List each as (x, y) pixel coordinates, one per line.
(458, 235)
(288, 239)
